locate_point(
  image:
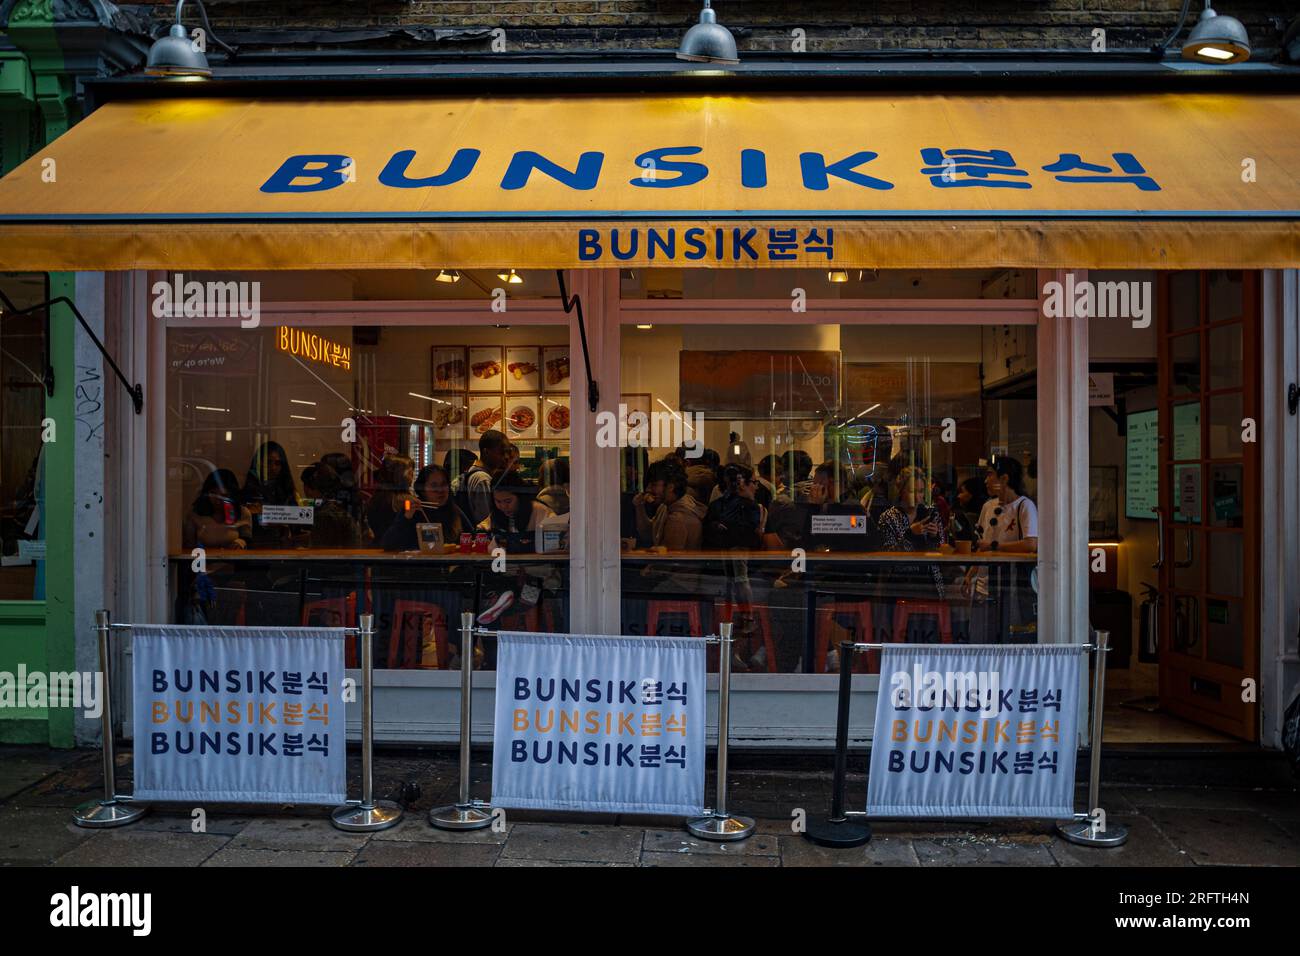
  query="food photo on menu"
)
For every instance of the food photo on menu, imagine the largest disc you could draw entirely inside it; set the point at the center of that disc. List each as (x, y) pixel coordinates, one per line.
(485, 368)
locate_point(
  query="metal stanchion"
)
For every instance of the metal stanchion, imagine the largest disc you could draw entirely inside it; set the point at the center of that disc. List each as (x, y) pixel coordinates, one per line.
(718, 824)
(837, 830)
(112, 810)
(465, 814)
(1088, 832)
(369, 814)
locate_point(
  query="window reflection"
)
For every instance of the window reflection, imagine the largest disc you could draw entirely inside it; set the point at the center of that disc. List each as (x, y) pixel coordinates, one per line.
(841, 483)
(334, 471)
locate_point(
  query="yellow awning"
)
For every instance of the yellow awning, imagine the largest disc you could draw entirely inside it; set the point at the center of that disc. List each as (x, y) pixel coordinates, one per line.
(886, 181)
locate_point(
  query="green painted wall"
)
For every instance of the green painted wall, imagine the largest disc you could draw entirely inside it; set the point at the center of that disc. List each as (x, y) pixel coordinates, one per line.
(36, 106)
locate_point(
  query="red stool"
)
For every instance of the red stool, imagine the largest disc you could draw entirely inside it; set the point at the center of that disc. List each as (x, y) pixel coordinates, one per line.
(726, 612)
(339, 612)
(905, 610)
(537, 618)
(659, 609)
(406, 643)
(862, 614)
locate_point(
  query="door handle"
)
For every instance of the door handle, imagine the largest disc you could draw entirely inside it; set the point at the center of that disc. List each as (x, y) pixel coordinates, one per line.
(1160, 539)
(1188, 551)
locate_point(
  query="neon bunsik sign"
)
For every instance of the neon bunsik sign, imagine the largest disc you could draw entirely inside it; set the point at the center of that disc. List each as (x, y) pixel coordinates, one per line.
(311, 346)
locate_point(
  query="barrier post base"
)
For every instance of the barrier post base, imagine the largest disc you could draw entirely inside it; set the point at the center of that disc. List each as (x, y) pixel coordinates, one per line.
(841, 835)
(1081, 832)
(102, 814)
(358, 818)
(721, 827)
(461, 816)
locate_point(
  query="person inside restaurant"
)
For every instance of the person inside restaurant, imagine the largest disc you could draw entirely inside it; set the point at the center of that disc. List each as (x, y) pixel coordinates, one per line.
(911, 525)
(666, 512)
(431, 504)
(270, 482)
(515, 509)
(1008, 524)
(554, 482)
(473, 487)
(392, 495)
(217, 518)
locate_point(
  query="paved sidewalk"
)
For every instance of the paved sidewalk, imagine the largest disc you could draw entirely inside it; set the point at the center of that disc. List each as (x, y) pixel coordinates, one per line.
(1170, 826)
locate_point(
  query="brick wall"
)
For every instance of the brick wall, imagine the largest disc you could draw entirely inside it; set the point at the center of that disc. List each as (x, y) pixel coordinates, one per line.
(830, 25)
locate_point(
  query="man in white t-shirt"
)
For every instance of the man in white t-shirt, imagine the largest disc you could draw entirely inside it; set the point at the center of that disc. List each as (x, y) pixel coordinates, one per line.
(1008, 521)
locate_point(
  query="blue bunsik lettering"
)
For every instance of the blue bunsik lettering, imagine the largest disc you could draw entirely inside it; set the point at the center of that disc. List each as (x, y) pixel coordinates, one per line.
(655, 169)
(592, 691)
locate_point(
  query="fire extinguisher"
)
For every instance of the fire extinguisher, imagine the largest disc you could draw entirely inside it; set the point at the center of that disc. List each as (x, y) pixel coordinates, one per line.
(1149, 627)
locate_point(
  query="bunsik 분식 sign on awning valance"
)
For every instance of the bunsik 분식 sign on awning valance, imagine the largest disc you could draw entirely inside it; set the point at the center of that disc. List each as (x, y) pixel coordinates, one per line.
(1146, 180)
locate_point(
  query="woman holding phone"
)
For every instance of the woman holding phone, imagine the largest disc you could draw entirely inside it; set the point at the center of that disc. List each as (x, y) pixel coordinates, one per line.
(911, 525)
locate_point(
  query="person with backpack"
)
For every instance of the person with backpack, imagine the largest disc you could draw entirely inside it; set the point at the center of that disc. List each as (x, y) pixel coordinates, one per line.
(474, 487)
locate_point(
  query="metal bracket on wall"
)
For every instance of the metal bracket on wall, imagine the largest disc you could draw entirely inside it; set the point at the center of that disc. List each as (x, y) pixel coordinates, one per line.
(574, 304)
(136, 391)
(1293, 397)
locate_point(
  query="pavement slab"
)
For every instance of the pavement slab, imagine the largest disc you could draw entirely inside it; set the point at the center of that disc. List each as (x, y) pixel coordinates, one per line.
(878, 851)
(232, 856)
(37, 835)
(1228, 837)
(548, 841)
(706, 860)
(127, 847)
(271, 833)
(404, 853)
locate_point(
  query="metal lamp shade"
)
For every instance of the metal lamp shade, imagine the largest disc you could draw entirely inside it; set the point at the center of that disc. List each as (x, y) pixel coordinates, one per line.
(708, 41)
(1217, 39)
(174, 55)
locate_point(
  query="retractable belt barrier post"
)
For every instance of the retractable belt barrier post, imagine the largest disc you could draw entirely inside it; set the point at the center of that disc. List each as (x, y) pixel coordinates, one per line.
(369, 814)
(848, 828)
(116, 810)
(112, 810)
(465, 814)
(716, 823)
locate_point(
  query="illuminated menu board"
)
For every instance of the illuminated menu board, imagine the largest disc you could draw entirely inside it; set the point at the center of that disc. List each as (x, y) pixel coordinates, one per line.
(1142, 465)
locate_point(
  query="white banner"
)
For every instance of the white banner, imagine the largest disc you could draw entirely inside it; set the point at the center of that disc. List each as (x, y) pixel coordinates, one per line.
(605, 724)
(239, 714)
(975, 731)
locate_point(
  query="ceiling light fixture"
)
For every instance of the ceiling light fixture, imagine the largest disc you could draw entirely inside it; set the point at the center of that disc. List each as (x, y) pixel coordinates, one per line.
(837, 276)
(1217, 39)
(447, 276)
(708, 41)
(511, 278)
(177, 55)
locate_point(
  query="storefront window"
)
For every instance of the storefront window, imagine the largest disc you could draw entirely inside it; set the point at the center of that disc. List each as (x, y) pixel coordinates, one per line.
(22, 410)
(814, 483)
(319, 472)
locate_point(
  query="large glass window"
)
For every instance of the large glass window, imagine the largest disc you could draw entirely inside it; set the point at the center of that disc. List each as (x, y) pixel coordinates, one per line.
(22, 409)
(813, 483)
(323, 471)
